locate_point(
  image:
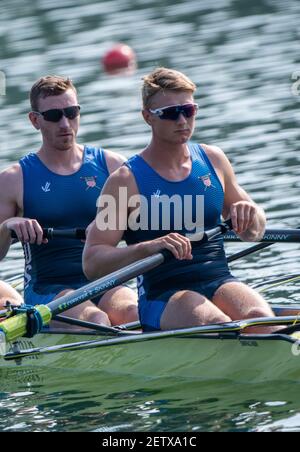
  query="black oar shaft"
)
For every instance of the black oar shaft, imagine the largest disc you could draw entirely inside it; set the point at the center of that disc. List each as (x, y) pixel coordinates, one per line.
(271, 236)
(259, 246)
(102, 285)
(17, 326)
(50, 233)
(92, 326)
(247, 251)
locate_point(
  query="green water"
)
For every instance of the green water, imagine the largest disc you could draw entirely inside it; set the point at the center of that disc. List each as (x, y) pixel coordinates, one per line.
(244, 57)
(112, 404)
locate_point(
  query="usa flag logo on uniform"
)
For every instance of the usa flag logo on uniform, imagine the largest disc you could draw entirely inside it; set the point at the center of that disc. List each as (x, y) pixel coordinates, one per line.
(207, 181)
(91, 182)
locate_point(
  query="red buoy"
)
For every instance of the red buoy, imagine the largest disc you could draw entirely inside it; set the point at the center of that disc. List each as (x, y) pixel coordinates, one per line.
(120, 58)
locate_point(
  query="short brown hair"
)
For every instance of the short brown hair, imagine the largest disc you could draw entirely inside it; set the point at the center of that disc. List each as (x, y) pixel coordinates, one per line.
(50, 85)
(163, 79)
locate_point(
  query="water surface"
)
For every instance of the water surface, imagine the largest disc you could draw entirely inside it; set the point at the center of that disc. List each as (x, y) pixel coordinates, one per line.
(242, 55)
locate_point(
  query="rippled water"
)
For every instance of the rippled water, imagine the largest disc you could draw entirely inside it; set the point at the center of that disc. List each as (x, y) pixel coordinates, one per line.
(244, 57)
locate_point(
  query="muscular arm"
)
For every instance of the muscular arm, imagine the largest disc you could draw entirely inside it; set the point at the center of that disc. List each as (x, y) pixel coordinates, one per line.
(10, 184)
(11, 212)
(249, 220)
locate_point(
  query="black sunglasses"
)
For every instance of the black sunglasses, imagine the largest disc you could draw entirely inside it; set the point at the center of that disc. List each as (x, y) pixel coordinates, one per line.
(173, 112)
(56, 114)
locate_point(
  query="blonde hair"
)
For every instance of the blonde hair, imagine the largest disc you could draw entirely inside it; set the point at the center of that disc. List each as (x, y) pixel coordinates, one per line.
(50, 85)
(163, 79)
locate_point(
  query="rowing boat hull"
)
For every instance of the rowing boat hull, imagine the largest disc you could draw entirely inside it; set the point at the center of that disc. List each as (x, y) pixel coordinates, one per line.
(251, 358)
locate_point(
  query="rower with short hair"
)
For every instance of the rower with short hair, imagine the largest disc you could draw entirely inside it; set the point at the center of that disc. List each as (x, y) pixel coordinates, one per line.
(197, 288)
(58, 187)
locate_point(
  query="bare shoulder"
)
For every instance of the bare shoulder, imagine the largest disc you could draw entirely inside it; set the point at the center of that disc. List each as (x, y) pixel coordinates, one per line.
(122, 174)
(13, 172)
(215, 153)
(122, 177)
(219, 160)
(11, 181)
(113, 160)
(220, 163)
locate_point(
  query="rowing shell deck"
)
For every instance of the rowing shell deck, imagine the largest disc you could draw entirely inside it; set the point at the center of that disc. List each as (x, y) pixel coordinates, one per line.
(243, 358)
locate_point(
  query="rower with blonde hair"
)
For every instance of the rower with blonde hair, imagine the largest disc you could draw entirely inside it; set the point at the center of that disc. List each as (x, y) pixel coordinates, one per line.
(197, 286)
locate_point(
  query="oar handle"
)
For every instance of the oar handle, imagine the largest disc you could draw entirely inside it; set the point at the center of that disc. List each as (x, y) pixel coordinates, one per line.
(221, 229)
(51, 233)
(208, 235)
(80, 233)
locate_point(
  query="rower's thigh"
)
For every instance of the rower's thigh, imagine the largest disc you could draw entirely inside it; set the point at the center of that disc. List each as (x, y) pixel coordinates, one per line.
(120, 304)
(77, 310)
(118, 297)
(7, 293)
(240, 301)
(187, 309)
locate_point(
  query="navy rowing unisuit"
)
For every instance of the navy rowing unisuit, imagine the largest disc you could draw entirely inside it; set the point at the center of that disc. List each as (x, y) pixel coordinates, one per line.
(60, 202)
(208, 270)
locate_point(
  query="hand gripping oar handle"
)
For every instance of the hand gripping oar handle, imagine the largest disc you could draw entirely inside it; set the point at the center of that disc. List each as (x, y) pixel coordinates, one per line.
(51, 233)
(16, 326)
(205, 237)
(271, 235)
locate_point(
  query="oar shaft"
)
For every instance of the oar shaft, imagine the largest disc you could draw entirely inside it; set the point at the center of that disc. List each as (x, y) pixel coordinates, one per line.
(271, 236)
(253, 249)
(102, 285)
(16, 326)
(247, 251)
(95, 327)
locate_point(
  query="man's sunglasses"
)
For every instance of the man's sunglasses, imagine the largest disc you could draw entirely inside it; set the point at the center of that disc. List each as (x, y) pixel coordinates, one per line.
(56, 114)
(173, 112)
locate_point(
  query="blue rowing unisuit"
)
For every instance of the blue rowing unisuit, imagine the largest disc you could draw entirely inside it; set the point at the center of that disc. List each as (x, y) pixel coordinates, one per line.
(209, 266)
(61, 202)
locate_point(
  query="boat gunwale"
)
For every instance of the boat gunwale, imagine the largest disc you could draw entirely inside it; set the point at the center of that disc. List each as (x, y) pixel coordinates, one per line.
(94, 344)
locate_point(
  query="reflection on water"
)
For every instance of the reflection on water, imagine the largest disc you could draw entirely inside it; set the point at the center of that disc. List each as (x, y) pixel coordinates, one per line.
(244, 58)
(114, 405)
